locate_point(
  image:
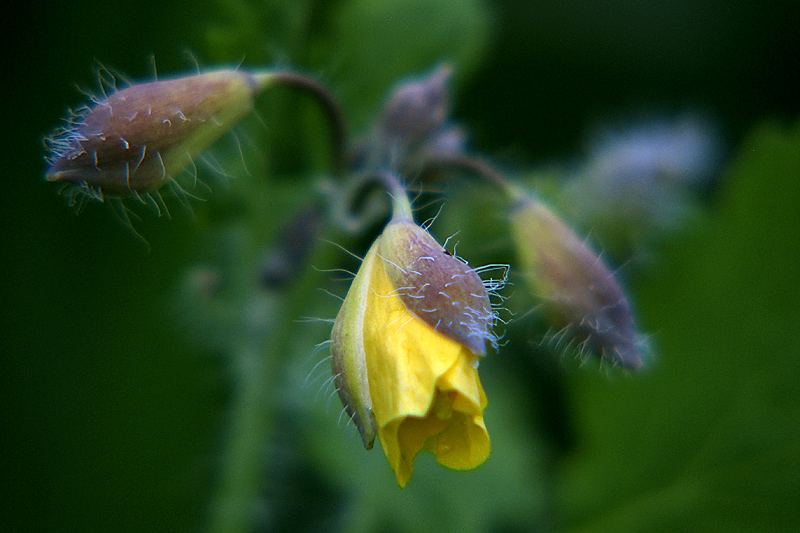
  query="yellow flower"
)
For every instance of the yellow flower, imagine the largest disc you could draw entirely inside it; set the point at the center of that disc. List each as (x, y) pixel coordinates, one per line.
(405, 351)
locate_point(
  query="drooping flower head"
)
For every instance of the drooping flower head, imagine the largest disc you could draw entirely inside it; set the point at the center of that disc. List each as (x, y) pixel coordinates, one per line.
(405, 349)
(579, 292)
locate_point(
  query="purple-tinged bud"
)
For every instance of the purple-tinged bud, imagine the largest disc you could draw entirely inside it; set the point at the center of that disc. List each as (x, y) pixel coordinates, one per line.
(436, 287)
(576, 287)
(139, 138)
(418, 108)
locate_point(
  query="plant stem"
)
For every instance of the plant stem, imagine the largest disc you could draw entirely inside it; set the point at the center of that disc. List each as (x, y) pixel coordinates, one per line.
(478, 167)
(242, 465)
(401, 207)
(329, 104)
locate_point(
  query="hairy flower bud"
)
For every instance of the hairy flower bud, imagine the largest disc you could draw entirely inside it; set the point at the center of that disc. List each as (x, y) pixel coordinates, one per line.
(416, 109)
(577, 288)
(405, 346)
(436, 287)
(138, 138)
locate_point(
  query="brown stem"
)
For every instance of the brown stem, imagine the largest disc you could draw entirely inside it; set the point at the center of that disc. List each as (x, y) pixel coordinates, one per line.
(331, 107)
(474, 165)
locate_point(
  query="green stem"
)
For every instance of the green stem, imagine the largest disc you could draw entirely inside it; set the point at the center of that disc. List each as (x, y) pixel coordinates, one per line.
(258, 331)
(241, 475)
(401, 206)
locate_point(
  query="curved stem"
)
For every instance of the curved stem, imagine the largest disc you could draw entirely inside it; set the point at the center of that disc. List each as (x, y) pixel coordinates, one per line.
(374, 207)
(329, 104)
(479, 167)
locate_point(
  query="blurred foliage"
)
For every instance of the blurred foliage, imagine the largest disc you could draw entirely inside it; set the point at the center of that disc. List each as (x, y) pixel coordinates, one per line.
(124, 369)
(707, 440)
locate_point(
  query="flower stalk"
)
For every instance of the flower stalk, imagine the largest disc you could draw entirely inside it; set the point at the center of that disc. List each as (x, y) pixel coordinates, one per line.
(327, 101)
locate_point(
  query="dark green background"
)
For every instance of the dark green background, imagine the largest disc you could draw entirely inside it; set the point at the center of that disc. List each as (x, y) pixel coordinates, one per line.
(111, 420)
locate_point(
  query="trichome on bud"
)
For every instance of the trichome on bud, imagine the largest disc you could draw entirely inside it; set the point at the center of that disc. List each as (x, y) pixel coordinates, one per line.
(138, 138)
(578, 290)
(436, 287)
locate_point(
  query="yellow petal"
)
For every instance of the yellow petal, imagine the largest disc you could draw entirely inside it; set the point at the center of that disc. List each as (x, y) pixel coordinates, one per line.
(425, 390)
(348, 357)
(464, 444)
(405, 357)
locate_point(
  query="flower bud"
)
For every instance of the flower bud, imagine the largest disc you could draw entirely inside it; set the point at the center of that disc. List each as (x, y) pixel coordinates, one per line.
(436, 287)
(405, 346)
(418, 108)
(137, 139)
(577, 288)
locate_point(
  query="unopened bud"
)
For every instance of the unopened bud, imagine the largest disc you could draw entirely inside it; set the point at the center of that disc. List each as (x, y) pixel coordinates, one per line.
(416, 109)
(577, 288)
(436, 287)
(137, 139)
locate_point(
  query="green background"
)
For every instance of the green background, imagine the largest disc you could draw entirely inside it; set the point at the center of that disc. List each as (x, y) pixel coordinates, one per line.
(116, 401)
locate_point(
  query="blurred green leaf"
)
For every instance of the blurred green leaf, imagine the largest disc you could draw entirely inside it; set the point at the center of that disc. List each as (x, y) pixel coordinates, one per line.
(372, 43)
(710, 438)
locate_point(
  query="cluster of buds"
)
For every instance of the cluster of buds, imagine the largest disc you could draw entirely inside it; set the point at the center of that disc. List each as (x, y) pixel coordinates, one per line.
(416, 317)
(408, 338)
(414, 127)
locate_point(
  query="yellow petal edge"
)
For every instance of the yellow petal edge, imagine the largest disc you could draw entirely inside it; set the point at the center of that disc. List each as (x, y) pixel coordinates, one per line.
(426, 393)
